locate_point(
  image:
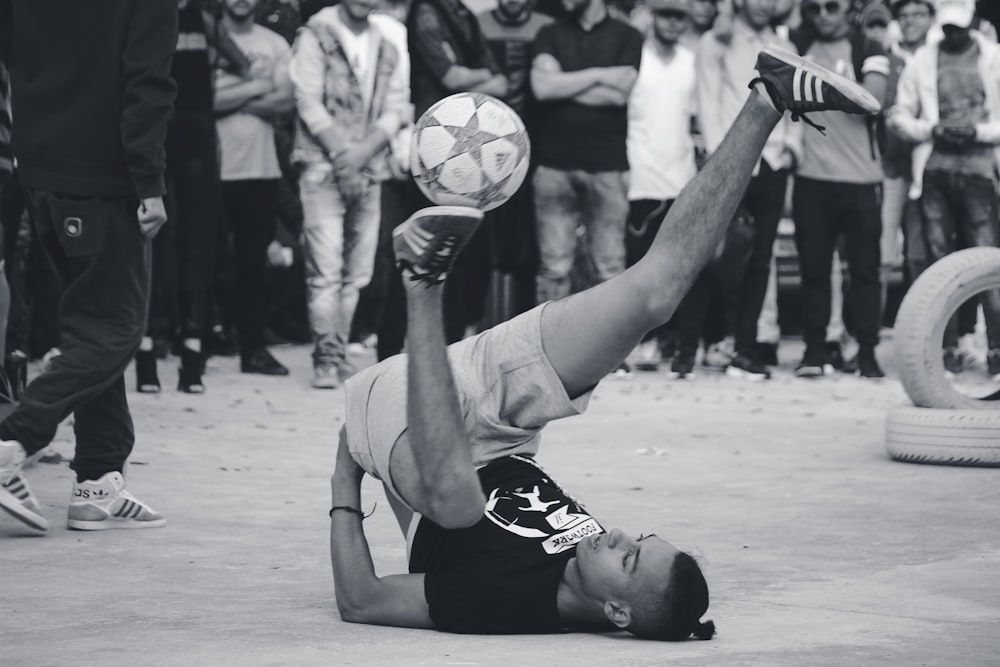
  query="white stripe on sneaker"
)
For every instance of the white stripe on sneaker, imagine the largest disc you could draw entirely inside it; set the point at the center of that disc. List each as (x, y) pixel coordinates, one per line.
(797, 85)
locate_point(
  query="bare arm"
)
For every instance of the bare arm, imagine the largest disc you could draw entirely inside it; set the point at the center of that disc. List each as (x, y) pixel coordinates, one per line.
(279, 101)
(229, 98)
(550, 82)
(602, 96)
(363, 597)
(877, 84)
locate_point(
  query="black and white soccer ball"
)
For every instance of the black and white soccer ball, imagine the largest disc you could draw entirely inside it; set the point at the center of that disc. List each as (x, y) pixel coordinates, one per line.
(469, 149)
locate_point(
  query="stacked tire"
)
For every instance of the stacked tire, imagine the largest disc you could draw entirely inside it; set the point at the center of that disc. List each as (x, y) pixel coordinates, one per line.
(945, 427)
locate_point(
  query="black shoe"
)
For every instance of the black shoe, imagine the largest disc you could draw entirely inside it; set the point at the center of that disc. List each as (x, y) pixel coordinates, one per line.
(868, 365)
(261, 361)
(16, 368)
(767, 353)
(146, 380)
(993, 364)
(682, 367)
(219, 343)
(835, 356)
(814, 364)
(953, 364)
(744, 367)
(189, 374)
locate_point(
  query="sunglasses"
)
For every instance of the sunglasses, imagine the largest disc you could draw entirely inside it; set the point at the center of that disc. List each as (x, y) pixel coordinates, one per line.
(673, 14)
(814, 8)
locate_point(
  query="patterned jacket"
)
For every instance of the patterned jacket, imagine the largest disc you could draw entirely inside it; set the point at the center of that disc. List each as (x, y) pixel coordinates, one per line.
(329, 93)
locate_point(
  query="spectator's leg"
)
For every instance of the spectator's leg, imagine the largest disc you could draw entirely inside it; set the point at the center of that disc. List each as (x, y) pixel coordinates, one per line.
(939, 229)
(863, 231)
(981, 220)
(251, 217)
(815, 239)
(361, 227)
(557, 217)
(606, 210)
(392, 322)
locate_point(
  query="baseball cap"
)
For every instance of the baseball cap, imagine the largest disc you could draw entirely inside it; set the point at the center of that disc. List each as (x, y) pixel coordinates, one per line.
(875, 13)
(958, 13)
(676, 5)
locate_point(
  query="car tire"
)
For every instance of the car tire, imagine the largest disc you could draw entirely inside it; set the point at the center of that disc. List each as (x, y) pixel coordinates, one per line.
(919, 329)
(944, 437)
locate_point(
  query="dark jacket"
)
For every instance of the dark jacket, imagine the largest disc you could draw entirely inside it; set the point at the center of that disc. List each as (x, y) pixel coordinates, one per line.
(91, 93)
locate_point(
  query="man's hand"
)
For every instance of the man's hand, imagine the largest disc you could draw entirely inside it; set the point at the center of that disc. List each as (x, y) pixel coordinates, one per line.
(954, 135)
(621, 77)
(351, 184)
(152, 216)
(352, 159)
(347, 469)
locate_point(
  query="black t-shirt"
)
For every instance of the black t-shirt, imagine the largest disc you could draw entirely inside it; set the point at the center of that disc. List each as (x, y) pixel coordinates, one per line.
(190, 68)
(502, 575)
(577, 136)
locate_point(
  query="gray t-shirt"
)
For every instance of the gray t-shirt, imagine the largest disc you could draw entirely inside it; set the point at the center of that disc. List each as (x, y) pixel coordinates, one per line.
(847, 153)
(961, 100)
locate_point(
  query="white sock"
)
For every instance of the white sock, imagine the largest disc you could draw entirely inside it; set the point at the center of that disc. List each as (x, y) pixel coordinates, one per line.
(193, 344)
(147, 344)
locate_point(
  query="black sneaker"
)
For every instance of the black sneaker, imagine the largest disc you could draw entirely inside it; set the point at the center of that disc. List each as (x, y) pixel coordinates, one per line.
(15, 365)
(146, 379)
(744, 367)
(623, 372)
(682, 366)
(953, 364)
(427, 244)
(767, 353)
(868, 364)
(261, 361)
(835, 356)
(798, 86)
(814, 364)
(993, 364)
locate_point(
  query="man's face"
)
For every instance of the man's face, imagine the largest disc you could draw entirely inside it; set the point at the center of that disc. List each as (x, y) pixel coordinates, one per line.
(359, 10)
(828, 17)
(240, 9)
(512, 8)
(955, 38)
(619, 567)
(703, 14)
(915, 19)
(757, 13)
(669, 25)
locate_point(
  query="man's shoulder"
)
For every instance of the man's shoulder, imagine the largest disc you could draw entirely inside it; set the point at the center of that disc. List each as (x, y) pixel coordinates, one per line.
(267, 36)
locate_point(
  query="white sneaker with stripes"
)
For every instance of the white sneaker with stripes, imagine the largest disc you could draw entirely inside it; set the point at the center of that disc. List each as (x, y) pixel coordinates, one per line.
(799, 86)
(15, 495)
(104, 503)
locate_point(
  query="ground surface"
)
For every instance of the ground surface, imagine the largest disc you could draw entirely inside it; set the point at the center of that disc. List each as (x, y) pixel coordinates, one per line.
(818, 549)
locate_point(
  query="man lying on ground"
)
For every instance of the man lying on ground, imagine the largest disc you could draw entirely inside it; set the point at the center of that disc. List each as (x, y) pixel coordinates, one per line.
(498, 546)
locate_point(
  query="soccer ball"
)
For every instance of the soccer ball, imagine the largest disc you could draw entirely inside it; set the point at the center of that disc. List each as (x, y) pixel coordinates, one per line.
(469, 149)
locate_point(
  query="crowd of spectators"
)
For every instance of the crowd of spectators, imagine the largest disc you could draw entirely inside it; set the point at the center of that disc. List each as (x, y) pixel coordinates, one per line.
(288, 153)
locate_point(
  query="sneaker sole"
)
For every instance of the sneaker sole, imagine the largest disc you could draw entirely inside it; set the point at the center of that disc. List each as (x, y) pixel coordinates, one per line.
(746, 375)
(674, 375)
(853, 91)
(810, 372)
(13, 506)
(112, 524)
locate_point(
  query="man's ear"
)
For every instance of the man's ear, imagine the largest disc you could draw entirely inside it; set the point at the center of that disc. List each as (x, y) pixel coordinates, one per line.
(617, 613)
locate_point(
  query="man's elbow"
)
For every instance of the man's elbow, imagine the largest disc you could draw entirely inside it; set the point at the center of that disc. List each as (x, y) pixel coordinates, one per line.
(350, 613)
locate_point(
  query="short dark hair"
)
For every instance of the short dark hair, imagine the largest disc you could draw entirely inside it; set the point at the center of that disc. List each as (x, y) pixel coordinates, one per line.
(897, 6)
(674, 614)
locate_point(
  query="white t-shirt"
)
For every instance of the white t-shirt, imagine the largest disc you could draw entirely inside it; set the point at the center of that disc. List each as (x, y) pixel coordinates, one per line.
(246, 141)
(660, 107)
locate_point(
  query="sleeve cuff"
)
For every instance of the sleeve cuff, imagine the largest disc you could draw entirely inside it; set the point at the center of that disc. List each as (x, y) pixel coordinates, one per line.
(148, 185)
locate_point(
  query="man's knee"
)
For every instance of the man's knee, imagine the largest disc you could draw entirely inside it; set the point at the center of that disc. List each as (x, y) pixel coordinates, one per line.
(454, 506)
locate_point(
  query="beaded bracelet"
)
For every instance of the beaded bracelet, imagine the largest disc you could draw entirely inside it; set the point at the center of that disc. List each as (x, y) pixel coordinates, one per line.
(352, 510)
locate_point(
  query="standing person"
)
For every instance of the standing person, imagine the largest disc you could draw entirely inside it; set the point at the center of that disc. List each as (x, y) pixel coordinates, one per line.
(92, 166)
(837, 192)
(246, 111)
(949, 101)
(582, 72)
(498, 546)
(449, 54)
(510, 30)
(722, 69)
(183, 252)
(661, 110)
(352, 98)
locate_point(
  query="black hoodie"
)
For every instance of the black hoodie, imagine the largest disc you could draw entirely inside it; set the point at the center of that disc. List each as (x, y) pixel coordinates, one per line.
(91, 93)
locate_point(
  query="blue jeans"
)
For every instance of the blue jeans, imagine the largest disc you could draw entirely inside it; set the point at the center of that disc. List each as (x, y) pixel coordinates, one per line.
(564, 200)
(962, 208)
(341, 236)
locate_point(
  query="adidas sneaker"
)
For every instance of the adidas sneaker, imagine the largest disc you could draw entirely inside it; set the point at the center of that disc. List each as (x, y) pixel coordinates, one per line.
(104, 503)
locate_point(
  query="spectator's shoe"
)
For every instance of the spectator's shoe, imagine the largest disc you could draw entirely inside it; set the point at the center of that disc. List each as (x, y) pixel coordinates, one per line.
(814, 364)
(744, 367)
(219, 343)
(15, 495)
(191, 369)
(623, 372)
(798, 86)
(953, 364)
(146, 379)
(427, 244)
(717, 357)
(993, 364)
(767, 353)
(104, 503)
(868, 364)
(835, 356)
(682, 367)
(647, 356)
(261, 362)
(325, 377)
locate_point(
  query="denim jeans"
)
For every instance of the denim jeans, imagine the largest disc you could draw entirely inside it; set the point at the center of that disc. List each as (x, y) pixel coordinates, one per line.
(962, 210)
(341, 236)
(565, 200)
